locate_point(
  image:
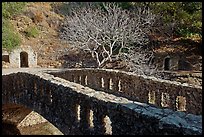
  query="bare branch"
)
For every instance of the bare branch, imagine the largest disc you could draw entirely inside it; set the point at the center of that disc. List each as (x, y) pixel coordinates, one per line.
(102, 31)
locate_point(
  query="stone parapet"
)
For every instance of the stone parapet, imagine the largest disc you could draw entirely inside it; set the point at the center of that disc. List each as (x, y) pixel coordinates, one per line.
(76, 109)
(157, 92)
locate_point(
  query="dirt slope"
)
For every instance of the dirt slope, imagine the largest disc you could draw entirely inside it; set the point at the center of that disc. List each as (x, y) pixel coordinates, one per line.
(47, 44)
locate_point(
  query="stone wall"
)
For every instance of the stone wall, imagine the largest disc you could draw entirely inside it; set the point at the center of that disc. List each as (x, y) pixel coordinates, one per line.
(161, 93)
(192, 78)
(15, 60)
(178, 61)
(75, 109)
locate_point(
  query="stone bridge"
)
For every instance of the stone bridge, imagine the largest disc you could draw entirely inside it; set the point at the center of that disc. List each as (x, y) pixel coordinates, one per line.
(100, 101)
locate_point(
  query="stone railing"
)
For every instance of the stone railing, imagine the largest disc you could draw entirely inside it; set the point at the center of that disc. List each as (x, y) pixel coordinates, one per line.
(192, 78)
(75, 109)
(161, 93)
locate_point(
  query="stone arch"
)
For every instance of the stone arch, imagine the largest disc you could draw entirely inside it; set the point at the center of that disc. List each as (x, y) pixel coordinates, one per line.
(24, 59)
(167, 63)
(16, 117)
(29, 99)
(9, 119)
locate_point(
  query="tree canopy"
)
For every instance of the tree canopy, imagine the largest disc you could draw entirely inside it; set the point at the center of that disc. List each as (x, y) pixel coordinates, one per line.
(187, 16)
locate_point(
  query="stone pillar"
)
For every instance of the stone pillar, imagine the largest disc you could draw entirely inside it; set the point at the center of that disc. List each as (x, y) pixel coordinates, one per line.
(172, 103)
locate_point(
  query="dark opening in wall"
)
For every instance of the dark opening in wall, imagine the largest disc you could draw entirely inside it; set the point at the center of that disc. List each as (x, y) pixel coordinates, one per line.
(167, 63)
(91, 117)
(107, 125)
(5, 58)
(151, 96)
(181, 103)
(78, 109)
(24, 59)
(184, 65)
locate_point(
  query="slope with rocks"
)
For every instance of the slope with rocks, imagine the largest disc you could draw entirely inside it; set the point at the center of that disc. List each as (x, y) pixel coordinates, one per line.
(47, 44)
(53, 52)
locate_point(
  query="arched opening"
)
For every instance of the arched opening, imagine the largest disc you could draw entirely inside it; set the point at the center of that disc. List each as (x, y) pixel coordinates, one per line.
(181, 103)
(167, 63)
(20, 120)
(107, 125)
(24, 59)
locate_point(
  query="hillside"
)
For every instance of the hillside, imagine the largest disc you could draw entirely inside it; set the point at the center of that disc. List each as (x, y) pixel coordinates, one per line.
(46, 44)
(52, 52)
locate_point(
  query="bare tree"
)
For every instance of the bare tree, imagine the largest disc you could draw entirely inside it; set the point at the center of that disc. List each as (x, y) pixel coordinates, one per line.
(106, 33)
(140, 60)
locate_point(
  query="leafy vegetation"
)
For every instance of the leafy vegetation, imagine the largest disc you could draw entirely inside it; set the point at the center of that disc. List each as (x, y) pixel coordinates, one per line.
(186, 15)
(32, 32)
(10, 9)
(10, 38)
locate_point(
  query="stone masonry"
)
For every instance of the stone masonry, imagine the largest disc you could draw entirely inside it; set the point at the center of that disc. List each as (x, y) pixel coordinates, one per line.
(157, 92)
(15, 59)
(76, 109)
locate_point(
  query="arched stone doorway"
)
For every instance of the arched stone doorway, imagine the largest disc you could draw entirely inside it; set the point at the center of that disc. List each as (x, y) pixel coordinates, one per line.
(167, 63)
(24, 59)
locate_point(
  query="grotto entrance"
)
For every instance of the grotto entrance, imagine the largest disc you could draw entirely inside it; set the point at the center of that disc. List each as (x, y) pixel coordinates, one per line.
(24, 59)
(167, 63)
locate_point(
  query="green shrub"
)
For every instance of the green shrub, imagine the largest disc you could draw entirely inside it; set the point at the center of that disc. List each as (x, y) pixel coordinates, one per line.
(188, 33)
(32, 32)
(10, 39)
(12, 8)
